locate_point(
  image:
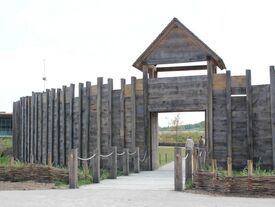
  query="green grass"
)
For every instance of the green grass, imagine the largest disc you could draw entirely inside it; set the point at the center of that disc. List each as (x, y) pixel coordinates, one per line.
(244, 172)
(6, 161)
(6, 142)
(166, 154)
(171, 137)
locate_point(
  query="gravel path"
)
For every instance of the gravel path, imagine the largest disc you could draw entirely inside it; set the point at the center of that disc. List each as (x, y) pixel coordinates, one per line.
(143, 189)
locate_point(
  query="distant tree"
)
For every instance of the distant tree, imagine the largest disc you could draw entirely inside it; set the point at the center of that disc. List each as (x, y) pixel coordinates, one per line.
(176, 123)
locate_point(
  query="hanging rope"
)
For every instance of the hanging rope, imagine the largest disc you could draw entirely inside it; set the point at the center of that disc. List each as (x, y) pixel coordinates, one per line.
(130, 154)
(106, 156)
(144, 157)
(185, 157)
(86, 159)
(120, 154)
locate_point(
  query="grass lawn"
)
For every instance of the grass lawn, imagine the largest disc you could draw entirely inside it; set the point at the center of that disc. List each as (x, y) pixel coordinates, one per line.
(166, 154)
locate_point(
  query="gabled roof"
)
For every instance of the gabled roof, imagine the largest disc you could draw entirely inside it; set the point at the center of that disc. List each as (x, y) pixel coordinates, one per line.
(177, 44)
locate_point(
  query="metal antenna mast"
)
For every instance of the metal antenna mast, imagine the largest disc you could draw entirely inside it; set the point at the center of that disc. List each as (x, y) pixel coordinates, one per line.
(44, 78)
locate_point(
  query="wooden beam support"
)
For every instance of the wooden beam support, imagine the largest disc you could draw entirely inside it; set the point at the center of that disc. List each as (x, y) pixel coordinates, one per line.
(249, 114)
(133, 117)
(86, 122)
(178, 181)
(71, 116)
(210, 108)
(181, 68)
(228, 115)
(272, 104)
(146, 114)
(57, 128)
(110, 130)
(122, 112)
(80, 121)
(63, 128)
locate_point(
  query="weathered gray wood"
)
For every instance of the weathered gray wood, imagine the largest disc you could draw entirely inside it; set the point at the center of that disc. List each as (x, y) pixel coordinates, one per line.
(86, 122)
(133, 107)
(40, 128)
(98, 124)
(178, 181)
(51, 125)
(228, 114)
(146, 113)
(110, 90)
(14, 129)
(188, 164)
(137, 161)
(126, 168)
(272, 105)
(32, 128)
(63, 128)
(80, 118)
(249, 114)
(56, 149)
(181, 68)
(73, 177)
(113, 171)
(35, 130)
(122, 112)
(29, 142)
(210, 108)
(96, 166)
(45, 126)
(71, 122)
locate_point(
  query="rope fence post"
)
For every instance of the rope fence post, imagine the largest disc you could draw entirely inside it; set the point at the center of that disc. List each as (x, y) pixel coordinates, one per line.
(96, 167)
(188, 163)
(113, 172)
(178, 169)
(73, 178)
(136, 161)
(126, 161)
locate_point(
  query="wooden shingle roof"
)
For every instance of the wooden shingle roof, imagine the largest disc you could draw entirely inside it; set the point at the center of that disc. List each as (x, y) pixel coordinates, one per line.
(177, 44)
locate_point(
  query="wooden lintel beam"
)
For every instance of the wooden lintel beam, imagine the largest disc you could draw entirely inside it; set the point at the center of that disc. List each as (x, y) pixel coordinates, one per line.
(182, 68)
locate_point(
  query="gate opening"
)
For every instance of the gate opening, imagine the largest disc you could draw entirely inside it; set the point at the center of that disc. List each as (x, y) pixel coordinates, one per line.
(173, 130)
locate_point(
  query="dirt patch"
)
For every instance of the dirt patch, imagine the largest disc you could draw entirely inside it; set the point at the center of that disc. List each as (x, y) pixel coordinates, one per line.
(28, 185)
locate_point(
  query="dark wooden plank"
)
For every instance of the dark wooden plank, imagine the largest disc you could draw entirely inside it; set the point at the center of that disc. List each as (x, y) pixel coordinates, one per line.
(110, 90)
(86, 122)
(51, 125)
(80, 121)
(122, 112)
(210, 108)
(98, 123)
(57, 128)
(40, 127)
(45, 102)
(133, 107)
(181, 68)
(71, 113)
(272, 105)
(32, 127)
(249, 114)
(63, 127)
(146, 113)
(178, 182)
(228, 116)
(35, 140)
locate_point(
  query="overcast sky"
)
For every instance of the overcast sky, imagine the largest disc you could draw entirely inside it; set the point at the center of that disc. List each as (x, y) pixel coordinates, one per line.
(84, 39)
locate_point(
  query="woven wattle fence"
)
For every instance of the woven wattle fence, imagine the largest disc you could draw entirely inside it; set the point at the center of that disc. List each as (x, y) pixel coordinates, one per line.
(264, 185)
(38, 173)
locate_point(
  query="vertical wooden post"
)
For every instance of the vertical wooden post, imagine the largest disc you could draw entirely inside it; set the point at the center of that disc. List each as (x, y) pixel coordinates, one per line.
(32, 128)
(73, 177)
(188, 163)
(133, 107)
(96, 166)
(195, 160)
(57, 128)
(214, 166)
(40, 127)
(272, 105)
(113, 174)
(249, 114)
(229, 167)
(71, 118)
(210, 108)
(80, 118)
(178, 181)
(87, 123)
(35, 140)
(126, 161)
(137, 161)
(229, 123)
(250, 168)
(51, 126)
(122, 112)
(63, 128)
(98, 139)
(45, 127)
(110, 91)
(146, 117)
